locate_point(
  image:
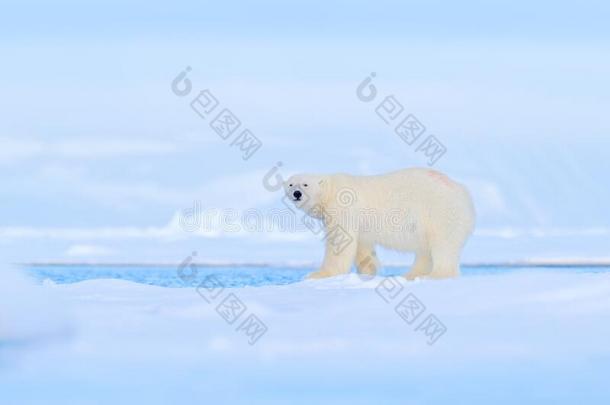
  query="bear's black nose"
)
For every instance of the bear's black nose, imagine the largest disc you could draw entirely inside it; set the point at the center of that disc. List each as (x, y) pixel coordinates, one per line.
(297, 194)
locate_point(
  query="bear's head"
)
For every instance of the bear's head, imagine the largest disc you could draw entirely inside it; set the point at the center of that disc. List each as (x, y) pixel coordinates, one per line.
(307, 191)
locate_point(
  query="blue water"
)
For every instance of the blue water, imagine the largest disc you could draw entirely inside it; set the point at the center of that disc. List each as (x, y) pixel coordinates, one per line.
(237, 276)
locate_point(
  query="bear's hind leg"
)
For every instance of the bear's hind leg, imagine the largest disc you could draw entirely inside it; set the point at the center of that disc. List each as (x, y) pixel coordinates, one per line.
(367, 263)
(445, 263)
(421, 267)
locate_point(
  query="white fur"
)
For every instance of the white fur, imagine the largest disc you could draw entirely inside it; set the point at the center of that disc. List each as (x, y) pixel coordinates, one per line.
(413, 210)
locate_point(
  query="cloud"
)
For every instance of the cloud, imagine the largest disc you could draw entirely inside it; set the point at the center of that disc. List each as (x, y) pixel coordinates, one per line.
(240, 190)
(88, 251)
(94, 233)
(512, 233)
(268, 225)
(12, 149)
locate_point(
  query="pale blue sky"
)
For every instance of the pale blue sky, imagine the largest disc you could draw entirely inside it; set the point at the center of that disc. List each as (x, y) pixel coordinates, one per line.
(98, 156)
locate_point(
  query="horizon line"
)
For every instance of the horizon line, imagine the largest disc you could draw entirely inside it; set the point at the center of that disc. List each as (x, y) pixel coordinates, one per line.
(515, 263)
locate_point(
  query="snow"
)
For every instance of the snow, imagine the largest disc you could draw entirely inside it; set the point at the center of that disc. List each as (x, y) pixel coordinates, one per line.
(521, 337)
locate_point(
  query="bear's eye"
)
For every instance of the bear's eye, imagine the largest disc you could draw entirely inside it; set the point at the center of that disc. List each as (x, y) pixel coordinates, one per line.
(304, 185)
(290, 185)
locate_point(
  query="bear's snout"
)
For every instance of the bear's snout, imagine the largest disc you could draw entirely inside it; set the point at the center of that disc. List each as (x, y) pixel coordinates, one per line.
(297, 195)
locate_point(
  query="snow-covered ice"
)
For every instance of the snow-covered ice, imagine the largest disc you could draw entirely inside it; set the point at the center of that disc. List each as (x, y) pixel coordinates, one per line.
(523, 337)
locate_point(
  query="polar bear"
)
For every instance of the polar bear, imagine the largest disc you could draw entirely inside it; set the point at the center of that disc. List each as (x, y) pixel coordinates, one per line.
(414, 210)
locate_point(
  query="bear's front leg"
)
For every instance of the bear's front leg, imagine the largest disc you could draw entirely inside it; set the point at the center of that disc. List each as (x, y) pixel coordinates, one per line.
(339, 255)
(366, 261)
